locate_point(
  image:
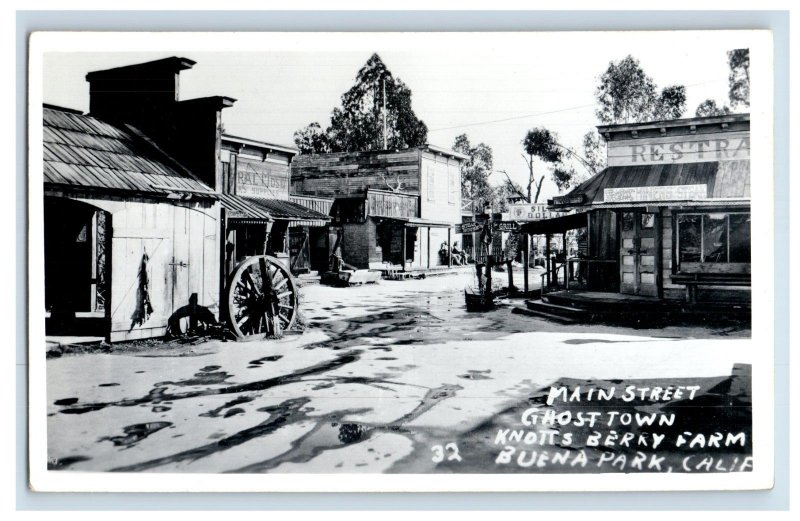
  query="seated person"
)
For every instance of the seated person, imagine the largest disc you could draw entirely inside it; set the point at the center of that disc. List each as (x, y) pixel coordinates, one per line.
(444, 255)
(459, 257)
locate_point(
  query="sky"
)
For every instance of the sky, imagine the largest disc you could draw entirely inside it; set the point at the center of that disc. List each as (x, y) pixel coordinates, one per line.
(492, 87)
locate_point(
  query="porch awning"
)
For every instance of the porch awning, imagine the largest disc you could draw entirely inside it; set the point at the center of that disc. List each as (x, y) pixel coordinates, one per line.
(286, 210)
(720, 180)
(417, 222)
(318, 204)
(241, 209)
(556, 224)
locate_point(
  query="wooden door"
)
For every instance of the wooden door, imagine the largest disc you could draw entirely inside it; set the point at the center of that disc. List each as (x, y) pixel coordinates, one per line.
(299, 250)
(638, 253)
(335, 235)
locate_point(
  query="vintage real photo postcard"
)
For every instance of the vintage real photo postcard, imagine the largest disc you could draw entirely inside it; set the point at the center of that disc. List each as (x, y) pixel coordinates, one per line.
(401, 261)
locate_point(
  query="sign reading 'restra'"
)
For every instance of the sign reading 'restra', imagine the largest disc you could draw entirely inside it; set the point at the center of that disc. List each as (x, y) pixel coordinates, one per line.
(655, 193)
(692, 148)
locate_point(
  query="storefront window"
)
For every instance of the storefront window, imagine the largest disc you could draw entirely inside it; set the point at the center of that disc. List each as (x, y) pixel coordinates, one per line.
(739, 237)
(714, 237)
(648, 220)
(627, 221)
(689, 238)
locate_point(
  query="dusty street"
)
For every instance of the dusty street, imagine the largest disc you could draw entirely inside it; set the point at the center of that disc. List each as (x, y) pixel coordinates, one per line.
(394, 377)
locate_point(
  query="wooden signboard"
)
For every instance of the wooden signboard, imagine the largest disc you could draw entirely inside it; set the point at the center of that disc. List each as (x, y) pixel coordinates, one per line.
(655, 193)
(387, 204)
(262, 179)
(692, 148)
(530, 212)
(469, 227)
(569, 199)
(504, 226)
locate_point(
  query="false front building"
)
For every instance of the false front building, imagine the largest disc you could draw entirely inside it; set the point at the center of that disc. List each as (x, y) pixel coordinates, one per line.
(259, 172)
(148, 206)
(390, 207)
(670, 215)
(130, 235)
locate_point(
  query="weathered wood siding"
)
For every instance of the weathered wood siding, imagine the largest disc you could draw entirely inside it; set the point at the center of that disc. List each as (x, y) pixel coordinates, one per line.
(350, 173)
(318, 204)
(386, 204)
(440, 198)
(182, 246)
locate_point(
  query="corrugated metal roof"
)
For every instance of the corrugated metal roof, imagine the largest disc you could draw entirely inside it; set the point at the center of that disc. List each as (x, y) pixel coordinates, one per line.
(240, 208)
(280, 209)
(84, 151)
(416, 222)
(318, 204)
(724, 179)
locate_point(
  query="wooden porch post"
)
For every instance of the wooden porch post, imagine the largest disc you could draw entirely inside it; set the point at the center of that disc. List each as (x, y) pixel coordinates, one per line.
(223, 268)
(547, 256)
(449, 248)
(403, 257)
(566, 256)
(510, 276)
(525, 256)
(429, 247)
(588, 249)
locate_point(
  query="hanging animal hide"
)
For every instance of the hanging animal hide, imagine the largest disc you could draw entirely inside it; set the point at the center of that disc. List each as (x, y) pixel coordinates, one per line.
(143, 306)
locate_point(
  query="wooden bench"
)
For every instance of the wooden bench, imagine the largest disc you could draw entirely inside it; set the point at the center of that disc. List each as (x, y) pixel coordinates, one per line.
(692, 280)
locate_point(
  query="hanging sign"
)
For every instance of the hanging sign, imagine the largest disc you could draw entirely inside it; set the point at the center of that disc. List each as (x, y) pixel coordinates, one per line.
(655, 193)
(530, 212)
(469, 227)
(504, 226)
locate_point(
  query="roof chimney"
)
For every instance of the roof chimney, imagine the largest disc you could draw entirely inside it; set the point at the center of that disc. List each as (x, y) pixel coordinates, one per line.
(139, 94)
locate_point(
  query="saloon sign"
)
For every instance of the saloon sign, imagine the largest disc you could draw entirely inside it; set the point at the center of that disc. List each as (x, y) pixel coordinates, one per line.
(530, 212)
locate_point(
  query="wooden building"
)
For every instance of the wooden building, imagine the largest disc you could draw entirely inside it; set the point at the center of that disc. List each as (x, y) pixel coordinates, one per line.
(130, 235)
(670, 215)
(389, 207)
(140, 194)
(250, 177)
(259, 173)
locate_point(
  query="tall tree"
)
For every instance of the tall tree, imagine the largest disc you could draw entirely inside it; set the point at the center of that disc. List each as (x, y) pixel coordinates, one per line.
(709, 108)
(377, 102)
(593, 151)
(506, 190)
(311, 139)
(565, 176)
(626, 94)
(475, 172)
(739, 78)
(541, 144)
(671, 103)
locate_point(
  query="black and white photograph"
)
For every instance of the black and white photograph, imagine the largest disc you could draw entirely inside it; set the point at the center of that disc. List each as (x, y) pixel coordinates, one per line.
(401, 261)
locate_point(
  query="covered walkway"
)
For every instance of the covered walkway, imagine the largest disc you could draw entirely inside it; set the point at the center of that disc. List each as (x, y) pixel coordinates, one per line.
(550, 227)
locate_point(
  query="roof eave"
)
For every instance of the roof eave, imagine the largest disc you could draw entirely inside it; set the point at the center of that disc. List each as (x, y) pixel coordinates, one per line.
(672, 123)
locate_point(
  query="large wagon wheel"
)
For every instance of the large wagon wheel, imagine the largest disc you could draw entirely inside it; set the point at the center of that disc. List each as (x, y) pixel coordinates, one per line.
(262, 297)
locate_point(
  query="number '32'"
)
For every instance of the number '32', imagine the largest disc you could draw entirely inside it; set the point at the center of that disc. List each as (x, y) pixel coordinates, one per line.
(450, 451)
